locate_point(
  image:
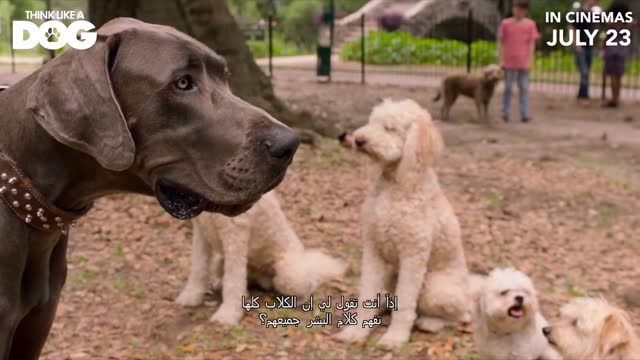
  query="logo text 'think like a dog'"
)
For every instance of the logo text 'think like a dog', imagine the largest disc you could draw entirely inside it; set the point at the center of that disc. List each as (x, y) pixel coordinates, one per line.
(53, 34)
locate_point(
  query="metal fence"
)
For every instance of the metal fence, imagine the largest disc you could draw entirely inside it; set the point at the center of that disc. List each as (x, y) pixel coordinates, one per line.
(445, 45)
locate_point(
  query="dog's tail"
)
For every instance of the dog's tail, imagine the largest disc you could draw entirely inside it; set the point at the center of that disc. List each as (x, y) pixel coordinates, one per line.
(322, 266)
(438, 96)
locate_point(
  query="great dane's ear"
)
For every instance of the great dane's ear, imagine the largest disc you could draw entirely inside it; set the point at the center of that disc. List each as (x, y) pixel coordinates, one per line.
(73, 100)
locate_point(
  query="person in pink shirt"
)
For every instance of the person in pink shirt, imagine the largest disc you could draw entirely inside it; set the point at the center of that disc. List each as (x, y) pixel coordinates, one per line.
(516, 46)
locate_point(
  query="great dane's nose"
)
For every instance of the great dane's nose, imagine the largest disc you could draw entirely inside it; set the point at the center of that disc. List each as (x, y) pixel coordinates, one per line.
(281, 143)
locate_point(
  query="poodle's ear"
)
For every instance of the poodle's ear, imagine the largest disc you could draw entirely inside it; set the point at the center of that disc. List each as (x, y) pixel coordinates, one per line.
(614, 334)
(422, 147)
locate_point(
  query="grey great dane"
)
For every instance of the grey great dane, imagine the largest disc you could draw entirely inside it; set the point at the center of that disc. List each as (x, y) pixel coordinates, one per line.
(146, 110)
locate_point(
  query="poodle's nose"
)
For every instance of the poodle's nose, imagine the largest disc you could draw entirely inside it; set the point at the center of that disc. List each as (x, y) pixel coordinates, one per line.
(360, 142)
(519, 299)
(546, 331)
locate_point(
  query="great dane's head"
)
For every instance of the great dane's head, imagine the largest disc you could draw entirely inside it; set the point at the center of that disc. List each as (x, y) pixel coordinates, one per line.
(150, 100)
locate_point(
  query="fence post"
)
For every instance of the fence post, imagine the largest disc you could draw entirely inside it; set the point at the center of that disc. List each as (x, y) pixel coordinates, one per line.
(469, 38)
(604, 86)
(270, 40)
(13, 51)
(362, 49)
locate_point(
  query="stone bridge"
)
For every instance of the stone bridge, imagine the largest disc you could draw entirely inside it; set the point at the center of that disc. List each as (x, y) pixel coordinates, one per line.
(426, 18)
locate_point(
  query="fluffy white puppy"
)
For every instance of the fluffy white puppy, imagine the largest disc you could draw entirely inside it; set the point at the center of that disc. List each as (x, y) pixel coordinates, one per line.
(592, 329)
(412, 244)
(259, 245)
(508, 324)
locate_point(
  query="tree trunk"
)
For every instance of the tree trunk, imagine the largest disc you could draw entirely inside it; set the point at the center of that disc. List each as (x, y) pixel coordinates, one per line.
(210, 22)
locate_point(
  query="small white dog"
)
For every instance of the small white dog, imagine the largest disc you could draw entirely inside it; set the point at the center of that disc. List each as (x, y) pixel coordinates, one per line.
(508, 324)
(411, 235)
(259, 245)
(592, 329)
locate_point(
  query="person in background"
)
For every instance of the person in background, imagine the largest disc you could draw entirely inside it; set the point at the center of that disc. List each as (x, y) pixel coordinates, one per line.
(615, 56)
(584, 54)
(517, 37)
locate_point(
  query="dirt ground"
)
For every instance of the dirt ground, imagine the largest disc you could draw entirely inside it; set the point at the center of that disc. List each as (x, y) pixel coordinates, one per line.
(557, 198)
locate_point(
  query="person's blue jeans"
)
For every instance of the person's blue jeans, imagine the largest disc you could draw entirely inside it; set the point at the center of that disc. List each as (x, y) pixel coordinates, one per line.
(584, 59)
(522, 78)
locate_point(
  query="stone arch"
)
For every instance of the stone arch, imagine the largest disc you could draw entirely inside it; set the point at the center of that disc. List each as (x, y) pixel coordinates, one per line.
(448, 19)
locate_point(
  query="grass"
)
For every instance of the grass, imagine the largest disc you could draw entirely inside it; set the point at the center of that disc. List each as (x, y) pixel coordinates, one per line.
(495, 202)
(572, 290)
(123, 283)
(607, 213)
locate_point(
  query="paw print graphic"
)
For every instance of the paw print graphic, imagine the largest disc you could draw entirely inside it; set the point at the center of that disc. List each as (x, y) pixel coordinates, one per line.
(52, 34)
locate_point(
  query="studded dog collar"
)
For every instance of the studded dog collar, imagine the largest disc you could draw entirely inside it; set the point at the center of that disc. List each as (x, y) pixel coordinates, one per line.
(28, 204)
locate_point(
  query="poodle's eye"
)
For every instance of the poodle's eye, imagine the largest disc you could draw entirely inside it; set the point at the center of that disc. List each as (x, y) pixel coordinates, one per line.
(389, 128)
(185, 83)
(504, 292)
(574, 323)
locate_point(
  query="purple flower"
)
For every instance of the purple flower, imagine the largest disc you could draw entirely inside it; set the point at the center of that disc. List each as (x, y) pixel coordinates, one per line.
(390, 21)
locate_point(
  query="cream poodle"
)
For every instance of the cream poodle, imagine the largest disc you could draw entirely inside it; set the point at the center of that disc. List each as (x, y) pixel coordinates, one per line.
(411, 234)
(592, 329)
(508, 324)
(259, 245)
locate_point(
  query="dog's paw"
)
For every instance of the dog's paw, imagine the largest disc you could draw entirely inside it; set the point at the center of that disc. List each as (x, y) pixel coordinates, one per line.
(351, 335)
(393, 339)
(431, 325)
(190, 297)
(226, 316)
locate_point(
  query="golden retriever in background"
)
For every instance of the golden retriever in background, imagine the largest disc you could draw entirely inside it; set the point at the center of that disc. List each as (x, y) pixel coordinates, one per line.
(479, 88)
(591, 329)
(412, 244)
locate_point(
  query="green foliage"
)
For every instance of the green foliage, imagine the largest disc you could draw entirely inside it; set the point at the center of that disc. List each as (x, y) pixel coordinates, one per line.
(15, 10)
(385, 48)
(260, 49)
(392, 48)
(345, 7)
(297, 21)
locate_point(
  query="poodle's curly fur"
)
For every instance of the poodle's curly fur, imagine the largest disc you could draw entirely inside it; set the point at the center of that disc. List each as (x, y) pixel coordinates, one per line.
(508, 324)
(591, 328)
(411, 234)
(259, 245)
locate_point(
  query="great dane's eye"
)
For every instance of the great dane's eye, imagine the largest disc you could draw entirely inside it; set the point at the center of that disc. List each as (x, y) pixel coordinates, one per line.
(185, 83)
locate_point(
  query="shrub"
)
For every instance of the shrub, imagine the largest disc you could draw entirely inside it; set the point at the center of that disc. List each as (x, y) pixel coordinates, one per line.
(260, 48)
(297, 21)
(386, 48)
(390, 21)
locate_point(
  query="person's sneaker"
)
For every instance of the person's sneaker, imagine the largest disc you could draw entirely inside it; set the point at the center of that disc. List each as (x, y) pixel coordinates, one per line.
(526, 119)
(610, 104)
(584, 101)
(505, 118)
